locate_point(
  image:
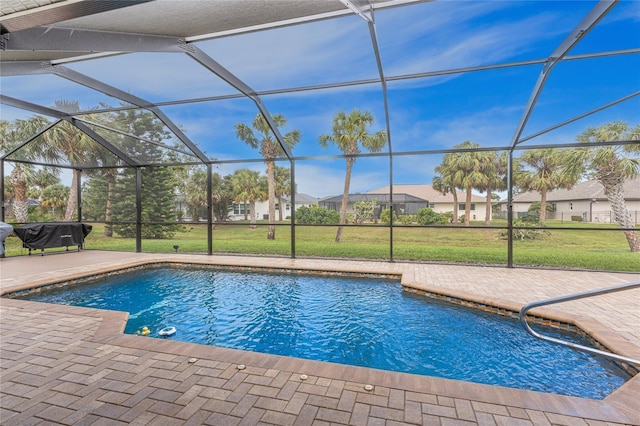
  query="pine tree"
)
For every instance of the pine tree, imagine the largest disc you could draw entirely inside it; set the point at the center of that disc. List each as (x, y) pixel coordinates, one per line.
(158, 182)
(94, 198)
(124, 204)
(158, 202)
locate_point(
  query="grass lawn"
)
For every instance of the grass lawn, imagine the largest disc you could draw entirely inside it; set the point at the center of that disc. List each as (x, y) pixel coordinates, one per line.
(604, 249)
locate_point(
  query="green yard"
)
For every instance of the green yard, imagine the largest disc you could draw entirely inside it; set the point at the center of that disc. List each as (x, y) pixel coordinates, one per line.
(604, 249)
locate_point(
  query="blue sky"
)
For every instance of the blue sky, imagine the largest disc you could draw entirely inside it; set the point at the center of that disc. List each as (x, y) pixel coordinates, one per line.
(425, 114)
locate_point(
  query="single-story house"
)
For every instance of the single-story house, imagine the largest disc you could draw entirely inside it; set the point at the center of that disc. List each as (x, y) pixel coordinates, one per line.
(437, 201)
(586, 200)
(8, 205)
(262, 207)
(402, 203)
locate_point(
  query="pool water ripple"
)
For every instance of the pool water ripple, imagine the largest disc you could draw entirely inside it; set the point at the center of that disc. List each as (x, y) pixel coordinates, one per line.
(363, 322)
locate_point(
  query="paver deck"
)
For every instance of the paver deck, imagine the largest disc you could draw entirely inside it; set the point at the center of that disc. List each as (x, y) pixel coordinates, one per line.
(71, 365)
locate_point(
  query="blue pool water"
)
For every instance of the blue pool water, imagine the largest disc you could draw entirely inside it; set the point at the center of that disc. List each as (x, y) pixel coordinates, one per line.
(355, 321)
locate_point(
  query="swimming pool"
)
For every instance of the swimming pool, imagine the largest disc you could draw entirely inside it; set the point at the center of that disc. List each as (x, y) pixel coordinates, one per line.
(365, 322)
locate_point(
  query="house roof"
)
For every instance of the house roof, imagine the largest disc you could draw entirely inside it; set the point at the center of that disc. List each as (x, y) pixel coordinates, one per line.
(383, 197)
(586, 190)
(426, 192)
(303, 199)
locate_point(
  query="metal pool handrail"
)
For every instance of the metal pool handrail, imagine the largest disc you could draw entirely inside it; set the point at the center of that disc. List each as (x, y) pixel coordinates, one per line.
(575, 296)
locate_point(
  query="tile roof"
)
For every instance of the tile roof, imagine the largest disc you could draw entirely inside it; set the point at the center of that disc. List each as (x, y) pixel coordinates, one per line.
(426, 192)
(583, 191)
(303, 199)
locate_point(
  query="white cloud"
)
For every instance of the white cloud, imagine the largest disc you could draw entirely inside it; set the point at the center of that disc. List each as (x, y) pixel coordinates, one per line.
(418, 38)
(156, 76)
(323, 180)
(320, 52)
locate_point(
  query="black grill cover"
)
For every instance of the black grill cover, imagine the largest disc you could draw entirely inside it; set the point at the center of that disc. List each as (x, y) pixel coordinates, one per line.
(56, 234)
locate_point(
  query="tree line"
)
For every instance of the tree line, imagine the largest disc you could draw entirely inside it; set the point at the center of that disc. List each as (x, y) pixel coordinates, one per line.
(110, 189)
(547, 169)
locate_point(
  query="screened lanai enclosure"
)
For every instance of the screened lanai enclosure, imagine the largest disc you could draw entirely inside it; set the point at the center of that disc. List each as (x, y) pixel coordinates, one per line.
(501, 133)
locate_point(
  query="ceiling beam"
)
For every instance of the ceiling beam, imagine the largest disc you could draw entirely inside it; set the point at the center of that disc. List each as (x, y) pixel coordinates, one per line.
(299, 20)
(15, 68)
(58, 12)
(205, 60)
(589, 21)
(102, 87)
(102, 141)
(50, 112)
(367, 17)
(24, 143)
(580, 116)
(75, 40)
(38, 109)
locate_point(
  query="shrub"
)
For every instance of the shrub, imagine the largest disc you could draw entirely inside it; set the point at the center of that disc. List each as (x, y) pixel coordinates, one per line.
(529, 217)
(576, 218)
(364, 210)
(386, 216)
(524, 234)
(316, 215)
(427, 216)
(406, 219)
(535, 207)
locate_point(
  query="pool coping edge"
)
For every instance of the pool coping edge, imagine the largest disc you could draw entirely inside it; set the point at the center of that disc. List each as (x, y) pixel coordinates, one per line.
(616, 407)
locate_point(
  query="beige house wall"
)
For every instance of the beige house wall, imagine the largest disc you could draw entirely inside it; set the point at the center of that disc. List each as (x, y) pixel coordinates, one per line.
(598, 211)
(477, 214)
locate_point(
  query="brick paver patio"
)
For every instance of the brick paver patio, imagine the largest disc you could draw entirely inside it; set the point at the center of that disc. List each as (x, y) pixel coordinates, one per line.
(71, 365)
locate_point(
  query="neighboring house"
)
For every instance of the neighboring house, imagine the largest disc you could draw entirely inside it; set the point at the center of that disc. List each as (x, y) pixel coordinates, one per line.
(262, 208)
(402, 203)
(8, 205)
(586, 200)
(436, 201)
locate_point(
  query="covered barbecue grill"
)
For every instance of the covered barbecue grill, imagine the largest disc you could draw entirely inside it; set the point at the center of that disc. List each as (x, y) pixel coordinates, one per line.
(40, 236)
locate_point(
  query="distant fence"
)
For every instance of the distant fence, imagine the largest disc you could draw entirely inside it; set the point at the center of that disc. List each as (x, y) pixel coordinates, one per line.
(604, 216)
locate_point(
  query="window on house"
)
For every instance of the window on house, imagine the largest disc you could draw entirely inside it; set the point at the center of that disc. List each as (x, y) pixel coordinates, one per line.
(287, 207)
(432, 205)
(239, 208)
(461, 206)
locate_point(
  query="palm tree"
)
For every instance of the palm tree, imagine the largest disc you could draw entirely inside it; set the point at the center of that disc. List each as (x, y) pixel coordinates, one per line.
(611, 165)
(444, 183)
(19, 178)
(467, 171)
(75, 145)
(22, 174)
(269, 149)
(9, 194)
(544, 170)
(222, 196)
(102, 157)
(55, 197)
(349, 132)
(493, 168)
(196, 192)
(283, 187)
(111, 176)
(42, 179)
(249, 187)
